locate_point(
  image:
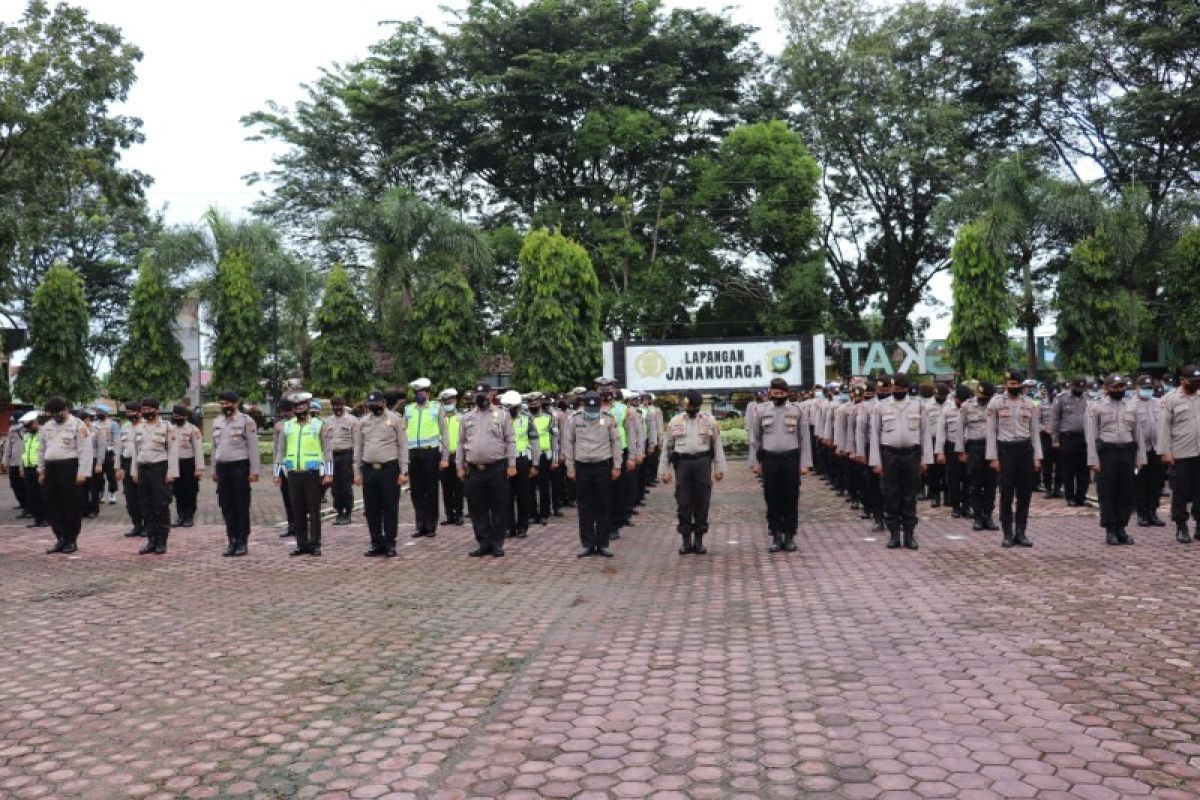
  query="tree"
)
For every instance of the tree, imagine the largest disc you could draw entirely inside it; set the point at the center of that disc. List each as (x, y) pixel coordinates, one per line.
(445, 333)
(978, 343)
(150, 362)
(57, 363)
(556, 336)
(1182, 296)
(237, 319)
(341, 354)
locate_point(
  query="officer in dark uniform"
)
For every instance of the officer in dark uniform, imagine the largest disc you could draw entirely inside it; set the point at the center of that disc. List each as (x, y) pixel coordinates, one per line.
(1014, 450)
(694, 452)
(592, 451)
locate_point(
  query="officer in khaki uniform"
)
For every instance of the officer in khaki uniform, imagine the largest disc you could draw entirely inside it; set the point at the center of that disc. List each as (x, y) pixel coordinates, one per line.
(452, 485)
(694, 452)
(338, 429)
(284, 411)
(901, 449)
(427, 455)
(133, 507)
(14, 448)
(780, 452)
(1014, 450)
(235, 467)
(309, 467)
(155, 467)
(1179, 447)
(191, 465)
(487, 458)
(381, 468)
(64, 466)
(1150, 478)
(1115, 449)
(528, 454)
(972, 451)
(592, 452)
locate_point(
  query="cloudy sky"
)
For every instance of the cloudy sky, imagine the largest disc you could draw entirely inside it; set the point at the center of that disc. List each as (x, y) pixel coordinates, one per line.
(206, 65)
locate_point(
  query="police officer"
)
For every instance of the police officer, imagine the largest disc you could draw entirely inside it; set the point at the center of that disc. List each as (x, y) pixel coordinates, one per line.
(559, 410)
(284, 411)
(972, 449)
(872, 490)
(935, 477)
(945, 444)
(113, 438)
(546, 431)
(31, 448)
(1150, 478)
(901, 449)
(99, 432)
(338, 428)
(426, 454)
(528, 453)
(381, 468)
(592, 453)
(155, 467)
(235, 468)
(1115, 449)
(452, 485)
(1051, 474)
(308, 465)
(191, 465)
(1179, 447)
(1067, 421)
(654, 432)
(487, 458)
(637, 452)
(612, 404)
(64, 466)
(693, 449)
(133, 506)
(1014, 450)
(14, 448)
(780, 452)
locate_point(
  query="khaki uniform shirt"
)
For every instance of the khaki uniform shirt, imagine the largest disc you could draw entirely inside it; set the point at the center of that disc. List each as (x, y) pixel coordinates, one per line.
(235, 438)
(1179, 425)
(100, 434)
(900, 423)
(778, 429)
(862, 427)
(591, 441)
(14, 446)
(1113, 422)
(155, 443)
(485, 437)
(128, 431)
(690, 435)
(191, 444)
(1068, 414)
(972, 423)
(66, 440)
(1010, 420)
(1046, 416)
(947, 428)
(379, 438)
(1148, 412)
(339, 431)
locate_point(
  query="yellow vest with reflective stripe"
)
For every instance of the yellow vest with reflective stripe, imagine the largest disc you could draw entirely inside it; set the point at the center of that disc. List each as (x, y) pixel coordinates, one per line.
(452, 422)
(542, 423)
(303, 445)
(619, 410)
(33, 445)
(422, 426)
(521, 434)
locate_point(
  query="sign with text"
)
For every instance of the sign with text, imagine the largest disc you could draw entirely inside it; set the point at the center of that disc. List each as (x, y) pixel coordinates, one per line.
(868, 358)
(714, 365)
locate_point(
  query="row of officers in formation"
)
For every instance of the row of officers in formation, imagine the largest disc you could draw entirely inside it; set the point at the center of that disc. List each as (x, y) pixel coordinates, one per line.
(883, 443)
(518, 460)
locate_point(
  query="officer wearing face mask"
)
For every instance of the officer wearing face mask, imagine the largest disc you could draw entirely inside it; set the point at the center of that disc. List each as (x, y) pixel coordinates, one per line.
(591, 453)
(191, 465)
(780, 452)
(235, 467)
(308, 464)
(901, 450)
(528, 453)
(452, 485)
(426, 455)
(155, 468)
(338, 428)
(1148, 484)
(284, 411)
(558, 410)
(945, 446)
(1014, 450)
(133, 419)
(1114, 451)
(1179, 446)
(972, 451)
(694, 453)
(932, 398)
(1067, 427)
(64, 466)
(487, 458)
(381, 468)
(31, 444)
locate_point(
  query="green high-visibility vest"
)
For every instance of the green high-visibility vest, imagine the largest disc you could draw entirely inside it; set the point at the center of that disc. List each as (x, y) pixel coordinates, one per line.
(33, 446)
(422, 428)
(304, 449)
(521, 432)
(452, 432)
(542, 423)
(619, 410)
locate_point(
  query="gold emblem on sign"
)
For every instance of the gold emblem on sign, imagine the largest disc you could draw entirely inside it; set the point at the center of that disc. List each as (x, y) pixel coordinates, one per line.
(650, 364)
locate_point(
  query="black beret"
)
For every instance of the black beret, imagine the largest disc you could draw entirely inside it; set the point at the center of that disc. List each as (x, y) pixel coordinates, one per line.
(55, 405)
(229, 396)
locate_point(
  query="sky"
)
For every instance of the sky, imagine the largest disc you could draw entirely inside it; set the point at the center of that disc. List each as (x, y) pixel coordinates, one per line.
(207, 65)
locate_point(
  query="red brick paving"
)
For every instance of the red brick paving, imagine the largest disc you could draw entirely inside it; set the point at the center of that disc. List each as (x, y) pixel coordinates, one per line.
(843, 670)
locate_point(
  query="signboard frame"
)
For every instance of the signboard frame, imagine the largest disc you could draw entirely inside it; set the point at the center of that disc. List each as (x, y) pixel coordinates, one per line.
(811, 355)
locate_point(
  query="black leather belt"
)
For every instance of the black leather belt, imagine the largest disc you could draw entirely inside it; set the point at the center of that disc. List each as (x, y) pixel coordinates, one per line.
(379, 464)
(693, 456)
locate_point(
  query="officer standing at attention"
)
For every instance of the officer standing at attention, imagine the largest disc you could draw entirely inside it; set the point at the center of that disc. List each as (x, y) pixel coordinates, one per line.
(592, 453)
(1179, 446)
(113, 439)
(1014, 450)
(1067, 421)
(528, 453)
(155, 468)
(1115, 449)
(559, 411)
(381, 468)
(487, 450)
(133, 506)
(426, 453)
(972, 449)
(780, 452)
(338, 428)
(100, 432)
(945, 446)
(235, 467)
(637, 452)
(14, 448)
(308, 464)
(693, 449)
(64, 466)
(546, 431)
(654, 431)
(285, 409)
(1051, 475)
(452, 486)
(901, 448)
(31, 447)
(191, 465)
(1150, 478)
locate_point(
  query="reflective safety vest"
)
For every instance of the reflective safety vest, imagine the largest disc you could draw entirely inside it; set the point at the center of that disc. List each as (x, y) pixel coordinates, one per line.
(304, 449)
(33, 446)
(452, 423)
(521, 434)
(542, 423)
(422, 426)
(619, 410)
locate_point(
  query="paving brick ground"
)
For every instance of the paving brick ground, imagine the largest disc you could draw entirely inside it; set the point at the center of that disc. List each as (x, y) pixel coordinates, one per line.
(844, 670)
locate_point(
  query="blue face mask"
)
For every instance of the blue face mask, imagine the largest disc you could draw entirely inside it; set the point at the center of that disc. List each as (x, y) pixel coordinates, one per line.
(591, 414)
(843, 397)
(449, 407)
(1145, 394)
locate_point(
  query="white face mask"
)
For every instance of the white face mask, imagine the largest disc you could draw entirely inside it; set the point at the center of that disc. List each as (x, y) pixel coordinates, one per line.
(449, 407)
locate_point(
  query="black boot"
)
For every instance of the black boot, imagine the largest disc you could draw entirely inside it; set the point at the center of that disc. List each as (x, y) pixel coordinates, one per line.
(240, 550)
(1111, 537)
(977, 524)
(937, 500)
(686, 547)
(1021, 539)
(878, 527)
(789, 542)
(148, 548)
(1123, 535)
(134, 533)
(160, 544)
(1181, 533)
(1155, 521)
(894, 541)
(1008, 535)
(956, 512)
(698, 548)
(910, 539)
(1143, 521)
(231, 548)
(989, 523)
(776, 543)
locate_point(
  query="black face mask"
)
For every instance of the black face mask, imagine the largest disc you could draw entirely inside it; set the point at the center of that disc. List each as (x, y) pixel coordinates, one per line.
(482, 400)
(692, 411)
(1190, 387)
(562, 405)
(228, 410)
(149, 416)
(778, 400)
(178, 421)
(940, 400)
(1014, 391)
(339, 410)
(1076, 391)
(376, 410)
(1117, 394)
(512, 412)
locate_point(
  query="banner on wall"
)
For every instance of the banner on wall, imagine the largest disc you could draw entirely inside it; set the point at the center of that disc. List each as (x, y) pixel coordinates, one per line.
(716, 365)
